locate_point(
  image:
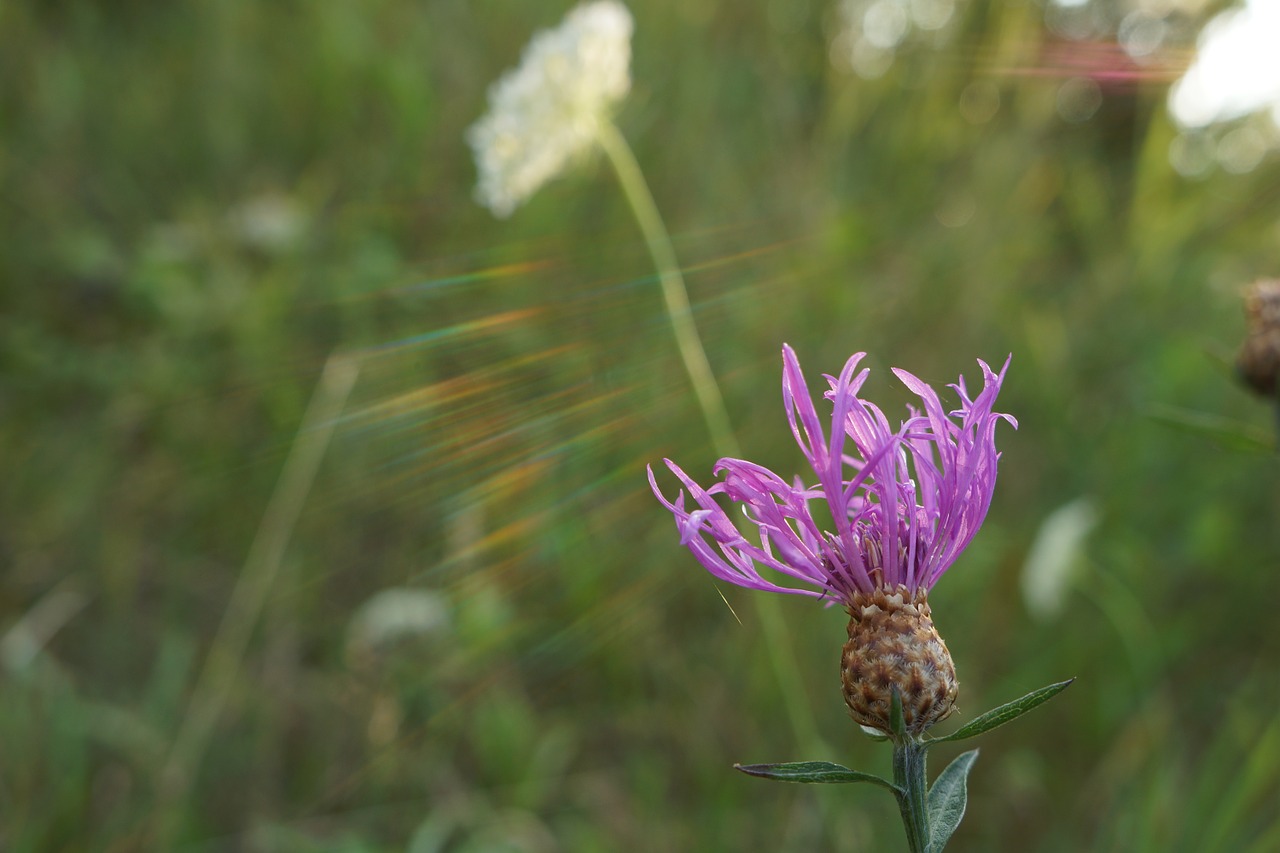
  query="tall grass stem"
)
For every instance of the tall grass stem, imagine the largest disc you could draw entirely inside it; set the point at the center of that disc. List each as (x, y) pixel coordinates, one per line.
(261, 567)
(673, 290)
(777, 641)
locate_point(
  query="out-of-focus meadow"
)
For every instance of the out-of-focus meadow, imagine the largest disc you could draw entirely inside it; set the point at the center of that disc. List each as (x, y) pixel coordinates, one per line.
(483, 633)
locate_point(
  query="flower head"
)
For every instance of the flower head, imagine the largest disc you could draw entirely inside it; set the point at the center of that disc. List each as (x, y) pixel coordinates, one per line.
(904, 502)
(1258, 362)
(545, 112)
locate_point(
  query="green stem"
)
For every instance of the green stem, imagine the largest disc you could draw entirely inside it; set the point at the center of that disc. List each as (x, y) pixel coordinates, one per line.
(673, 289)
(776, 640)
(222, 665)
(913, 793)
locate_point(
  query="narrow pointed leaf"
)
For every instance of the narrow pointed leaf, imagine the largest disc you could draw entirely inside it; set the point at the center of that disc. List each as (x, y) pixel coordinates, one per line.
(999, 716)
(812, 771)
(947, 799)
(1227, 432)
(897, 723)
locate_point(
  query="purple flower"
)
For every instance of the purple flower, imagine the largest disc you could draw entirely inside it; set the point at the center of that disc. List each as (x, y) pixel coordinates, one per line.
(904, 502)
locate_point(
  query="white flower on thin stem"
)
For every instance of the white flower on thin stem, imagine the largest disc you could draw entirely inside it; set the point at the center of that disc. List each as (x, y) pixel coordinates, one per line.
(545, 112)
(1234, 72)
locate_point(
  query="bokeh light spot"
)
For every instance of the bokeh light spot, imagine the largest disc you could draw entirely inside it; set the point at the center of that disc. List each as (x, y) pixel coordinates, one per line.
(1141, 35)
(884, 24)
(980, 101)
(1078, 99)
(1191, 155)
(932, 14)
(1241, 150)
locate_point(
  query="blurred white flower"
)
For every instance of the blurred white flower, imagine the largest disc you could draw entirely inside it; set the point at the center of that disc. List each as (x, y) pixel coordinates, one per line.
(396, 614)
(1055, 557)
(546, 111)
(1235, 71)
(271, 222)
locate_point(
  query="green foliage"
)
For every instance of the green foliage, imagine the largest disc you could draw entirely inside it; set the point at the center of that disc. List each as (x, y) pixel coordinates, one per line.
(947, 799)
(897, 722)
(1228, 433)
(202, 201)
(811, 771)
(1006, 713)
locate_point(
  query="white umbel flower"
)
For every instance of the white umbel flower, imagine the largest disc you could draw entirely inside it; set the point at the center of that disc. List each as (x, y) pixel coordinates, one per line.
(546, 111)
(1232, 75)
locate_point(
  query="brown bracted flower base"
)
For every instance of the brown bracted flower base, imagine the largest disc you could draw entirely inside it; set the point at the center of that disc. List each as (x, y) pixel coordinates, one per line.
(1259, 360)
(892, 641)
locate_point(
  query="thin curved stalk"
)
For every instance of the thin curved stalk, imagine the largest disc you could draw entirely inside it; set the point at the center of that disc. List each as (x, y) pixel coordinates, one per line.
(776, 639)
(673, 290)
(222, 665)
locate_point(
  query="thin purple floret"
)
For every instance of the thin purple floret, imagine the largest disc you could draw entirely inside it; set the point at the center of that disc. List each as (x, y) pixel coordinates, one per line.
(905, 502)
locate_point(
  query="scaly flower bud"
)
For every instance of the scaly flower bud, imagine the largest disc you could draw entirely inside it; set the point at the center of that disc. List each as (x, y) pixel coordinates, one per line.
(892, 643)
(1259, 360)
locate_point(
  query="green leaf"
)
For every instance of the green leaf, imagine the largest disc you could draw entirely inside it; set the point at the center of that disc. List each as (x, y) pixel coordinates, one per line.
(1005, 713)
(897, 723)
(812, 771)
(947, 799)
(1231, 434)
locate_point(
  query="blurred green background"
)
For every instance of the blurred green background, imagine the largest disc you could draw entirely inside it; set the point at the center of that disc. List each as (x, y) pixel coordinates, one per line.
(484, 635)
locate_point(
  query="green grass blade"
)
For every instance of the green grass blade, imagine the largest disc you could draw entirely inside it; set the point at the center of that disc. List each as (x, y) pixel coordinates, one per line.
(1228, 433)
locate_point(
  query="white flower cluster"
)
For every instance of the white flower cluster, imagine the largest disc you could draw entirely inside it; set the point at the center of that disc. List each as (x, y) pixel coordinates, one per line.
(545, 112)
(1235, 71)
